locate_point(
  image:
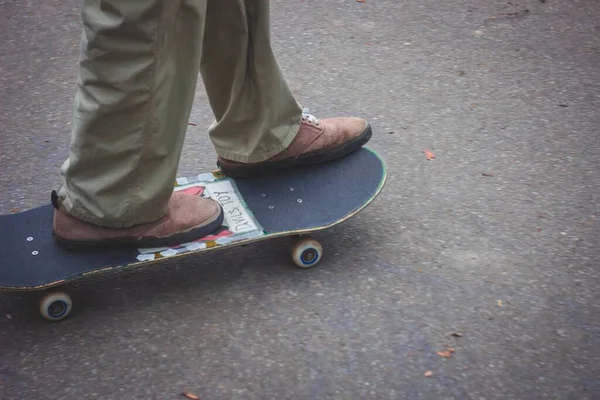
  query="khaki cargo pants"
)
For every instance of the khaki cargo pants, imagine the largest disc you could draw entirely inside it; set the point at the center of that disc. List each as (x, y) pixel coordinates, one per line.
(139, 65)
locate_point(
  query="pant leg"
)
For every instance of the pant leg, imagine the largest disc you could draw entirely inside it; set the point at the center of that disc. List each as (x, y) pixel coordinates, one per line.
(256, 113)
(138, 71)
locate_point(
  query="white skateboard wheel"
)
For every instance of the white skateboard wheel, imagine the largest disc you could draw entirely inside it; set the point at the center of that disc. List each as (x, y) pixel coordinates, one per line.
(307, 253)
(55, 306)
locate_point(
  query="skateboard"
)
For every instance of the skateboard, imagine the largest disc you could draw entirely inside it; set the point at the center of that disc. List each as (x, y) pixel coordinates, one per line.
(292, 202)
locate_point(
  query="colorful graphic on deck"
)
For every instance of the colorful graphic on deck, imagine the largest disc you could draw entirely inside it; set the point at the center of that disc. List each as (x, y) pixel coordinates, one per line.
(238, 224)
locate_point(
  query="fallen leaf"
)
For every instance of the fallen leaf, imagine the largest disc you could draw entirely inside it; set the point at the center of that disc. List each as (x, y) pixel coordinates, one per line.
(429, 154)
(428, 373)
(451, 350)
(446, 354)
(539, 229)
(420, 270)
(189, 395)
(14, 210)
(487, 174)
(390, 132)
(499, 303)
(456, 334)
(192, 124)
(360, 1)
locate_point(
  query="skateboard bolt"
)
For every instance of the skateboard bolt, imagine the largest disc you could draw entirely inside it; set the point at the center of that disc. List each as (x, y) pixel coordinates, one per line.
(35, 253)
(299, 200)
(29, 239)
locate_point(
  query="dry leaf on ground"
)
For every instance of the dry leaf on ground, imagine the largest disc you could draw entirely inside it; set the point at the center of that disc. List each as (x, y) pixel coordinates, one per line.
(428, 373)
(447, 353)
(456, 334)
(499, 303)
(189, 395)
(429, 154)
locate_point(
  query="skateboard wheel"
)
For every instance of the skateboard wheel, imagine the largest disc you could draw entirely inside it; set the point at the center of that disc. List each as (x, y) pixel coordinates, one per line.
(55, 306)
(306, 253)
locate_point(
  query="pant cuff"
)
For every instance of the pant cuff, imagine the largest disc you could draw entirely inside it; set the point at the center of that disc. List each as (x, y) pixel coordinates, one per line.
(69, 207)
(258, 157)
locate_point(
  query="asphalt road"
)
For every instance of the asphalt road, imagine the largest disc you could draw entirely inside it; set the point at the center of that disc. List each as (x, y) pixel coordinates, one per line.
(497, 238)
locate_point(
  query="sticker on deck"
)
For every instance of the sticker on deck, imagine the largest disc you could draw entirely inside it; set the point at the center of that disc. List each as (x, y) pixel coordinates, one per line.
(238, 222)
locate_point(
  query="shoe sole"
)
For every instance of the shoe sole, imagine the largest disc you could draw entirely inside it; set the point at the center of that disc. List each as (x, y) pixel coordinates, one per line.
(306, 159)
(133, 242)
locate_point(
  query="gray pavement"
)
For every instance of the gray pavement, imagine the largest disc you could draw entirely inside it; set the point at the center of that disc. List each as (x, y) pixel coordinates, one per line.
(508, 259)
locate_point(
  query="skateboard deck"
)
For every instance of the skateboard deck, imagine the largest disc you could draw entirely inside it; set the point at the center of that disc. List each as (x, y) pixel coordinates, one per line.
(291, 202)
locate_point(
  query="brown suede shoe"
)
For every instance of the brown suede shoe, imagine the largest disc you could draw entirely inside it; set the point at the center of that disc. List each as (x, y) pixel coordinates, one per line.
(188, 218)
(317, 141)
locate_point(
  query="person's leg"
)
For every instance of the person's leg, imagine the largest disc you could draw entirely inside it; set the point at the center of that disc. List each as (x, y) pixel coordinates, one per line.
(259, 125)
(137, 78)
(256, 113)
(138, 72)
